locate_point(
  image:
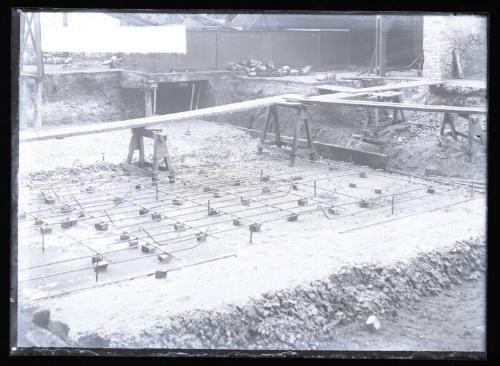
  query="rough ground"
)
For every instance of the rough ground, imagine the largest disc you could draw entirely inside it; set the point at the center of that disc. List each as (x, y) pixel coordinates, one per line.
(368, 272)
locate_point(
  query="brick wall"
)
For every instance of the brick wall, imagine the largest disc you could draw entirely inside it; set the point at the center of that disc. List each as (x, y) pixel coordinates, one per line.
(443, 34)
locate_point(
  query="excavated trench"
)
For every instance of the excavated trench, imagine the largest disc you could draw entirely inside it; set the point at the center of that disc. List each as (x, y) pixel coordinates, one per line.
(308, 316)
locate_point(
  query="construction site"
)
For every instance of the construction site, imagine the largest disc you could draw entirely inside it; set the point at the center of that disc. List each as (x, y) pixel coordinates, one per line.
(283, 182)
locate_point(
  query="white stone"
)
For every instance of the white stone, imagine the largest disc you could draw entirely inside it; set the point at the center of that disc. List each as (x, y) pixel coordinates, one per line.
(372, 323)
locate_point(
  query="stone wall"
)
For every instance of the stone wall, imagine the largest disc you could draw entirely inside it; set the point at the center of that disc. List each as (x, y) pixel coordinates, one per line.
(466, 34)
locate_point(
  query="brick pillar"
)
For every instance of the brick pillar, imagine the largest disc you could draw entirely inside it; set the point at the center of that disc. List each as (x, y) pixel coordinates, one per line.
(437, 48)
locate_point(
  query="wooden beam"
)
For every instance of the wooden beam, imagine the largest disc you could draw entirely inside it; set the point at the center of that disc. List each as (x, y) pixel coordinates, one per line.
(332, 100)
(395, 86)
(379, 78)
(58, 133)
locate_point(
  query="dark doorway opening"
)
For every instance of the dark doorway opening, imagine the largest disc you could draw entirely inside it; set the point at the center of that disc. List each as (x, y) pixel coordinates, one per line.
(175, 97)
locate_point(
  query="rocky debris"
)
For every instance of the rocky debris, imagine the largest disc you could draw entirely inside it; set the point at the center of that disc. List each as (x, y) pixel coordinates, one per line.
(43, 338)
(41, 318)
(372, 323)
(299, 317)
(113, 61)
(59, 329)
(328, 76)
(92, 341)
(259, 68)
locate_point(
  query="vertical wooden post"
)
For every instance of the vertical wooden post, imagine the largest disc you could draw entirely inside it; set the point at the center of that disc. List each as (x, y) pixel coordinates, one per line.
(40, 71)
(38, 102)
(392, 205)
(43, 239)
(382, 47)
(377, 45)
(38, 45)
(276, 124)
(148, 102)
(264, 131)
(96, 268)
(154, 100)
(295, 142)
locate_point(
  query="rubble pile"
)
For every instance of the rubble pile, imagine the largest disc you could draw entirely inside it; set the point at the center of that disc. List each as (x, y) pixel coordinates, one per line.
(259, 68)
(305, 316)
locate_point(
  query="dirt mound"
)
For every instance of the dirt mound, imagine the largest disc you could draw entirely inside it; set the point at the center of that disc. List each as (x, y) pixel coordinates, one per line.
(306, 316)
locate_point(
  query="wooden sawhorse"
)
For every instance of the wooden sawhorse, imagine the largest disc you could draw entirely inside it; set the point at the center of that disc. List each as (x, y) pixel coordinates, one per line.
(473, 129)
(272, 117)
(388, 96)
(160, 152)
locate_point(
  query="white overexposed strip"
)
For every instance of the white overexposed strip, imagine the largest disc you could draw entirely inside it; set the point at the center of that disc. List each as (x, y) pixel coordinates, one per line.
(94, 32)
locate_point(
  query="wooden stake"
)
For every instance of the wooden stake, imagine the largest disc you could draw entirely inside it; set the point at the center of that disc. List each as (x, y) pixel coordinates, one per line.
(392, 205)
(251, 236)
(97, 269)
(314, 188)
(208, 207)
(43, 239)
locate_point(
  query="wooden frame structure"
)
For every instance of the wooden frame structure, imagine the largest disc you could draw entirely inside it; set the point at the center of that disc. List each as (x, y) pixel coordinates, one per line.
(272, 118)
(31, 30)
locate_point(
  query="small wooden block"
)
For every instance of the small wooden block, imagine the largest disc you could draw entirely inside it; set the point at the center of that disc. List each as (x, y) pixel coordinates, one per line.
(164, 258)
(97, 258)
(255, 227)
(133, 243)
(333, 211)
(292, 217)
(431, 190)
(143, 211)
(124, 236)
(148, 249)
(179, 227)
(68, 223)
(101, 266)
(101, 226)
(161, 274)
(352, 185)
(302, 202)
(378, 191)
(156, 216)
(201, 237)
(213, 212)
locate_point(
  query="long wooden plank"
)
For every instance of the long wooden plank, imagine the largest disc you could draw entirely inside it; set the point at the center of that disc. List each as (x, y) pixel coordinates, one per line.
(380, 78)
(395, 86)
(332, 99)
(58, 133)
